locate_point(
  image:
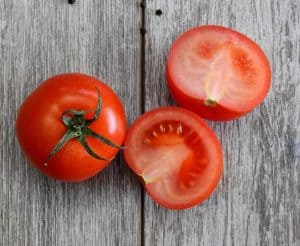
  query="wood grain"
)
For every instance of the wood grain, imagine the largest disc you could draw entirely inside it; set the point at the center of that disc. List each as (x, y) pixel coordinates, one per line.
(40, 38)
(257, 201)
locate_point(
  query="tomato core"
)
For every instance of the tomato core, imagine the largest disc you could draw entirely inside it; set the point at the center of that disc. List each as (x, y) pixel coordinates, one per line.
(176, 145)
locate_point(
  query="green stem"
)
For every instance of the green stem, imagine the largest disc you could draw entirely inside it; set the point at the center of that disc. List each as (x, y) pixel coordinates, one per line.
(67, 137)
(102, 139)
(77, 127)
(84, 143)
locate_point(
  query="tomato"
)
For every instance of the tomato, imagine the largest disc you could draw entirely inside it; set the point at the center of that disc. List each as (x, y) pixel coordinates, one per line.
(65, 131)
(176, 155)
(217, 72)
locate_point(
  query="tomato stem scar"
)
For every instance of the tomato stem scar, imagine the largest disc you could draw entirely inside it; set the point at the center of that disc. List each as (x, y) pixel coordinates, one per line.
(149, 180)
(210, 102)
(77, 127)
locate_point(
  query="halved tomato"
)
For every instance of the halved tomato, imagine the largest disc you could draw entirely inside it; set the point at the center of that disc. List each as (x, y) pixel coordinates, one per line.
(177, 156)
(217, 72)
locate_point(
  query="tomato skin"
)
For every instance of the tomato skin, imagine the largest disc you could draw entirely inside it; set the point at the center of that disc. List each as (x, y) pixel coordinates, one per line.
(220, 111)
(212, 150)
(39, 126)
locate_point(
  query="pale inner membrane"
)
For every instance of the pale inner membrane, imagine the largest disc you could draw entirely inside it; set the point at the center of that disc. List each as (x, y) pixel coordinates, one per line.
(213, 78)
(162, 162)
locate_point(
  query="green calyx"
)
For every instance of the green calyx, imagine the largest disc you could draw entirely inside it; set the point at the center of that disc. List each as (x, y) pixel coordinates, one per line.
(78, 127)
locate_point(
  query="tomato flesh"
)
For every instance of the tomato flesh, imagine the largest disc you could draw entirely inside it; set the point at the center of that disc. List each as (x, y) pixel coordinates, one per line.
(177, 156)
(217, 72)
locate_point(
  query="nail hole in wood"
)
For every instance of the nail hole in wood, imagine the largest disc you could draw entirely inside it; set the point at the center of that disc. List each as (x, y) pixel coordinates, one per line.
(143, 5)
(158, 12)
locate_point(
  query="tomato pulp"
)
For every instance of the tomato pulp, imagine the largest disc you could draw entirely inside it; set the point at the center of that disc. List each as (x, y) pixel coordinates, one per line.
(42, 119)
(177, 156)
(217, 72)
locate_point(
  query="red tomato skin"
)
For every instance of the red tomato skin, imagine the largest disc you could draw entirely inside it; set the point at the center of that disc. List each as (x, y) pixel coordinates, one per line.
(39, 126)
(218, 112)
(219, 159)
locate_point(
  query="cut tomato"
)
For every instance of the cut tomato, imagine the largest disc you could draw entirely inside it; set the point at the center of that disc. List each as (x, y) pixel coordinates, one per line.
(177, 156)
(217, 72)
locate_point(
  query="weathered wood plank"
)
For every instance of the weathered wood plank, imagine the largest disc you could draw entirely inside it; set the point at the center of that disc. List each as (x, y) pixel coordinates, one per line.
(40, 38)
(257, 201)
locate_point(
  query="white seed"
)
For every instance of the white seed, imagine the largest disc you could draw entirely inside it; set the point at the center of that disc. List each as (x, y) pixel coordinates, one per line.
(154, 133)
(162, 128)
(179, 129)
(191, 183)
(171, 128)
(146, 141)
(193, 174)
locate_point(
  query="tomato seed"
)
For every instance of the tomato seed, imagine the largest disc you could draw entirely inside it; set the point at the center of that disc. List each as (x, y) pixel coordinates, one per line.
(146, 141)
(179, 129)
(162, 128)
(171, 128)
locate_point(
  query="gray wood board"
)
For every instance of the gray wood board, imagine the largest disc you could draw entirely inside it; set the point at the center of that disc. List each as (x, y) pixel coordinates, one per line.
(257, 201)
(40, 38)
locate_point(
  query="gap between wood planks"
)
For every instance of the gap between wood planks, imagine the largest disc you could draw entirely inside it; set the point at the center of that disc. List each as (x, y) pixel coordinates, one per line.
(143, 32)
(142, 101)
(142, 95)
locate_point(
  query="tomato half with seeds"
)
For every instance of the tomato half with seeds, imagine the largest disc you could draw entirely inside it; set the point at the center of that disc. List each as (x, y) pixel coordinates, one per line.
(176, 155)
(217, 72)
(71, 126)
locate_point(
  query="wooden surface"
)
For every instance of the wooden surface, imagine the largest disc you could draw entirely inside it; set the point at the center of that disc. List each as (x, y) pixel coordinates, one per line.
(257, 202)
(258, 199)
(41, 38)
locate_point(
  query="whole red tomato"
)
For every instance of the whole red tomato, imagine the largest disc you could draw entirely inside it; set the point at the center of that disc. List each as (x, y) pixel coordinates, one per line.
(71, 126)
(217, 72)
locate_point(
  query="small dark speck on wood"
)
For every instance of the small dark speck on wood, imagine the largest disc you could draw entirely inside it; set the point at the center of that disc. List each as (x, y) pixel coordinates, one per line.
(71, 1)
(158, 12)
(143, 5)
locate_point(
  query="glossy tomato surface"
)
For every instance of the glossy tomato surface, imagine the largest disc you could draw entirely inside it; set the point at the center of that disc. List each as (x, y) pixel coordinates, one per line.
(217, 72)
(39, 126)
(177, 156)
